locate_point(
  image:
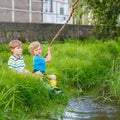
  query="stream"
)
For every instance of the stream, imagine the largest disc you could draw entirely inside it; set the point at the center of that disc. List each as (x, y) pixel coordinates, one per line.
(88, 108)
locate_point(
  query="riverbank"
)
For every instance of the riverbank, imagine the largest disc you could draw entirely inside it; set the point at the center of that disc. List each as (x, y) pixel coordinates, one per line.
(79, 67)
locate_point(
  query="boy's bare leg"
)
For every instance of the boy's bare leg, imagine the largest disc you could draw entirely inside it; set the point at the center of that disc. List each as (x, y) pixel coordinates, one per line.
(39, 73)
(26, 71)
(52, 80)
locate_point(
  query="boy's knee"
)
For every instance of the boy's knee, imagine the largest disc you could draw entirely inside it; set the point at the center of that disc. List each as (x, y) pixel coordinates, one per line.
(39, 73)
(26, 71)
(52, 77)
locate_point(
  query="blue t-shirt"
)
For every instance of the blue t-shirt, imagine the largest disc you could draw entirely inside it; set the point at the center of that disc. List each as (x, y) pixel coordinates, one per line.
(39, 63)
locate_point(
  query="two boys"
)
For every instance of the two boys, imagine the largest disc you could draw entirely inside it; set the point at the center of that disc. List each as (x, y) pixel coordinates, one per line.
(16, 61)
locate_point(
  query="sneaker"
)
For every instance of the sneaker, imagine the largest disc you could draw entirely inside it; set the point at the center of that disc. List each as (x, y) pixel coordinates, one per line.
(59, 92)
(56, 90)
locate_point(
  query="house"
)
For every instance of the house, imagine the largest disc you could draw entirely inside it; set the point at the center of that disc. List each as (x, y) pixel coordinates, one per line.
(35, 11)
(56, 11)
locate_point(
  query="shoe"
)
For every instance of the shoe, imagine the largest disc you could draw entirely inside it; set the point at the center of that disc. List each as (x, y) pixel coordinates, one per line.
(56, 90)
(59, 92)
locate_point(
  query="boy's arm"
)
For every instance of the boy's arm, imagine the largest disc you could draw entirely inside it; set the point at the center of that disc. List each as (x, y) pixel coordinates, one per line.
(11, 64)
(48, 57)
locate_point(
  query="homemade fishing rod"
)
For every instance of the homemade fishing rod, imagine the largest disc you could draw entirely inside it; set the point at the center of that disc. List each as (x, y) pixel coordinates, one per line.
(70, 15)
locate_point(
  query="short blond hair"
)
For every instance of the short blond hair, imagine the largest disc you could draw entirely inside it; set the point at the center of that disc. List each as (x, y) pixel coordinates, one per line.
(33, 46)
(13, 44)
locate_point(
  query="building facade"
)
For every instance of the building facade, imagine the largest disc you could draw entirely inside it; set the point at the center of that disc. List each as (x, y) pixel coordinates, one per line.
(34, 11)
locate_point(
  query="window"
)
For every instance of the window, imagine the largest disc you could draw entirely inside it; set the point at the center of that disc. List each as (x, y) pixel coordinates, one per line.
(61, 11)
(51, 5)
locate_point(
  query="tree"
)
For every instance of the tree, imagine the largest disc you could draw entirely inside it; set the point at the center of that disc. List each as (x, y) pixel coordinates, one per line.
(79, 12)
(105, 15)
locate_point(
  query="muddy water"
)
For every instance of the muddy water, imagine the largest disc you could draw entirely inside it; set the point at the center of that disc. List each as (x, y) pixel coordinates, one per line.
(88, 108)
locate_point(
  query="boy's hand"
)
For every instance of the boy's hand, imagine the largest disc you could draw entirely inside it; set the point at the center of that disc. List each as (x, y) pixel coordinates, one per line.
(49, 48)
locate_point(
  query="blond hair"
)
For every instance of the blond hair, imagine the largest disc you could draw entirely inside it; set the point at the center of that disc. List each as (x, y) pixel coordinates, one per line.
(13, 44)
(33, 46)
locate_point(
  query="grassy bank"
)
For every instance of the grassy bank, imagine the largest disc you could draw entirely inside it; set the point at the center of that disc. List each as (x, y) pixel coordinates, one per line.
(79, 66)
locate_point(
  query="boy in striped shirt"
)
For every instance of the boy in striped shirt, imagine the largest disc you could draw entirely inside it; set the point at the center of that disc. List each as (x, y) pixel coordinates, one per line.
(16, 61)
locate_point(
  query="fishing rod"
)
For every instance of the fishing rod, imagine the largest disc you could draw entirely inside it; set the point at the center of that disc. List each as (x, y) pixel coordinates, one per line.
(69, 17)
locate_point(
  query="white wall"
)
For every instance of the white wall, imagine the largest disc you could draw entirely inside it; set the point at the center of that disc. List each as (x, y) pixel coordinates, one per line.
(59, 13)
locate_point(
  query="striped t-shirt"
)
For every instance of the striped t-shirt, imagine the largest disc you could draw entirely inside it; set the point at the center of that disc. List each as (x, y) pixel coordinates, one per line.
(16, 63)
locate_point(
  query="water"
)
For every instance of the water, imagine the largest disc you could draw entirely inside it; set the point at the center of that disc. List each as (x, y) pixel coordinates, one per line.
(87, 108)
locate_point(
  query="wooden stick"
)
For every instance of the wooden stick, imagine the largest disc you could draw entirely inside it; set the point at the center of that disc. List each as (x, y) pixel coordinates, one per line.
(70, 15)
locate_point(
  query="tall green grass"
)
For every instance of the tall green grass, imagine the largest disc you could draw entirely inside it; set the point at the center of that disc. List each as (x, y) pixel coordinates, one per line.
(78, 65)
(84, 64)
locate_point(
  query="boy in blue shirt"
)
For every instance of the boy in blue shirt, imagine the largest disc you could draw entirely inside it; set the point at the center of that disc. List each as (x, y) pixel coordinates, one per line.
(39, 62)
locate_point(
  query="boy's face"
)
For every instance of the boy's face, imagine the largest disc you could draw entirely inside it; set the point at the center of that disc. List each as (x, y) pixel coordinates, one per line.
(17, 51)
(37, 51)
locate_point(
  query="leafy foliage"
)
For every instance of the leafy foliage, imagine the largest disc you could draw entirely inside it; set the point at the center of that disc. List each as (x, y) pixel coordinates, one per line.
(105, 16)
